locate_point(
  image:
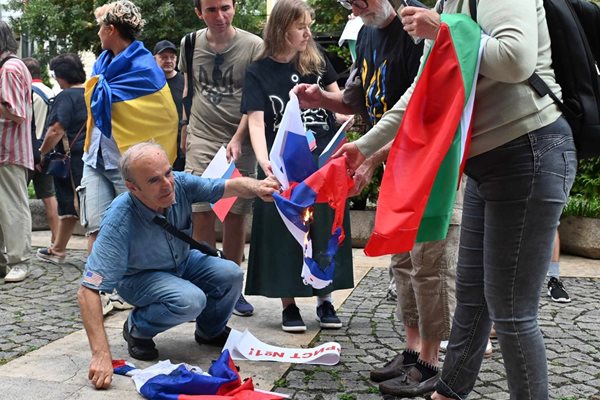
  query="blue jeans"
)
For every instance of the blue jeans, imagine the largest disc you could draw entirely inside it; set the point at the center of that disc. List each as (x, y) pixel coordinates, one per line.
(514, 197)
(202, 287)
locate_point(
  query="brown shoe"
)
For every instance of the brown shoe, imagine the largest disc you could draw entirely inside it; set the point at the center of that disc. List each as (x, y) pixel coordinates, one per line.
(409, 384)
(391, 369)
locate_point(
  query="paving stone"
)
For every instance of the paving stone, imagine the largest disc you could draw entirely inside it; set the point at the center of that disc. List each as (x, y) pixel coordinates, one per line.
(43, 308)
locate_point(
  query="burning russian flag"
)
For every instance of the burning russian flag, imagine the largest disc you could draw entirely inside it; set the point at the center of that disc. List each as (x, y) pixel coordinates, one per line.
(304, 185)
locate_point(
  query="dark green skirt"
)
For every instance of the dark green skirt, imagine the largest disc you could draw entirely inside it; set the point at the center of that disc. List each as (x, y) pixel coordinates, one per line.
(275, 260)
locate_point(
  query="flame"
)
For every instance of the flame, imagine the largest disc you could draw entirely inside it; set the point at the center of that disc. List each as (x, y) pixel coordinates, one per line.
(307, 218)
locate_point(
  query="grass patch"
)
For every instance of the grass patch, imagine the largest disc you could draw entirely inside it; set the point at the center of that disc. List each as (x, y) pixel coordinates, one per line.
(281, 383)
(373, 390)
(308, 376)
(346, 396)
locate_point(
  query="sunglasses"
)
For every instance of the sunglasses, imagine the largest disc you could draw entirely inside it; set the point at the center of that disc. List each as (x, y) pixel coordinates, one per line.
(360, 4)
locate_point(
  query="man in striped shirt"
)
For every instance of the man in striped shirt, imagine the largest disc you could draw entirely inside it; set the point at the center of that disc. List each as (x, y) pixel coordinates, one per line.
(16, 158)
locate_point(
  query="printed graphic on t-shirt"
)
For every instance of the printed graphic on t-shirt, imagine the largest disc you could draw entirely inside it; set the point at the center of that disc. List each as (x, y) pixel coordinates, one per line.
(314, 118)
(216, 84)
(376, 91)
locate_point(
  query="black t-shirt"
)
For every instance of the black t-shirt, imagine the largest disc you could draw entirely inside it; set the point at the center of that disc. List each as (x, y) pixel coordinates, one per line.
(389, 61)
(266, 88)
(69, 110)
(176, 84)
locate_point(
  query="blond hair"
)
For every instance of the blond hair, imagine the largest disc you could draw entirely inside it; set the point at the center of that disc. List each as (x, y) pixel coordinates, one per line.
(284, 14)
(123, 15)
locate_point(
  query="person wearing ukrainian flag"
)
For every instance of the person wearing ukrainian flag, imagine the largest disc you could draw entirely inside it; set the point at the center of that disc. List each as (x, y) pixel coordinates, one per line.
(128, 102)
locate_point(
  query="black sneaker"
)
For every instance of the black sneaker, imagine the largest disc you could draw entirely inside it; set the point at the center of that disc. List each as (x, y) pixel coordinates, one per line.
(557, 292)
(327, 316)
(140, 349)
(218, 340)
(291, 321)
(242, 307)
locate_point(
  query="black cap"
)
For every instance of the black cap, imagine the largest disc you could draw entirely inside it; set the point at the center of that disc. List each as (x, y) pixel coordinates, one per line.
(164, 45)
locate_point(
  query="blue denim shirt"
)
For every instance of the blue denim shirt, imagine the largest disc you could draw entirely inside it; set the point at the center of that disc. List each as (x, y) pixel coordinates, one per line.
(110, 151)
(129, 242)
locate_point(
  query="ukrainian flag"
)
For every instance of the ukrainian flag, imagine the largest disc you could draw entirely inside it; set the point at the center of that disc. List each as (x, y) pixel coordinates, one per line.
(128, 98)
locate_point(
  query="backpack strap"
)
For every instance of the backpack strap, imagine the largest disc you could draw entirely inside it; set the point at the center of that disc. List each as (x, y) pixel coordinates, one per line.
(41, 93)
(6, 59)
(473, 9)
(535, 81)
(188, 53)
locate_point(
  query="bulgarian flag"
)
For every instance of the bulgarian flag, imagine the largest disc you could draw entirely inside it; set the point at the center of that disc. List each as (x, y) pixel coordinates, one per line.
(425, 163)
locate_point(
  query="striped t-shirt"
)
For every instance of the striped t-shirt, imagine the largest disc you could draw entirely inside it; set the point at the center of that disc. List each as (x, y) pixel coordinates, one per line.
(15, 95)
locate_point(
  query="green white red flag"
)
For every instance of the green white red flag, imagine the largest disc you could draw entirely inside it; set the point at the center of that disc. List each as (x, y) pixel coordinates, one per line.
(425, 163)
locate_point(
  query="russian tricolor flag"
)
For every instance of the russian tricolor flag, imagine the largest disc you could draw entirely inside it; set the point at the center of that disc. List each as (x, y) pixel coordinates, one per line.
(295, 168)
(166, 381)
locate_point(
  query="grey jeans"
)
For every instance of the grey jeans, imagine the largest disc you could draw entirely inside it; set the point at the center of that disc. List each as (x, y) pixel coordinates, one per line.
(515, 195)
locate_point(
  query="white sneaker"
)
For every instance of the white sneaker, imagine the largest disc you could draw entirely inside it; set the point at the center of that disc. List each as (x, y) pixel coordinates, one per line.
(487, 353)
(488, 349)
(107, 305)
(17, 273)
(118, 302)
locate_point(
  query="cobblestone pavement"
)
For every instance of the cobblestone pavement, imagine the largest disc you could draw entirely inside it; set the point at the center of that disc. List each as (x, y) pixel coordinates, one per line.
(43, 308)
(369, 338)
(40, 309)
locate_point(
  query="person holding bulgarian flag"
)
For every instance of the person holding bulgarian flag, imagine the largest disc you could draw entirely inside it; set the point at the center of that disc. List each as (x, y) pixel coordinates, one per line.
(520, 164)
(128, 102)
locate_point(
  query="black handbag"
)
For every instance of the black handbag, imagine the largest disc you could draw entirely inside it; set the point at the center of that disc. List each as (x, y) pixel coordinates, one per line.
(58, 164)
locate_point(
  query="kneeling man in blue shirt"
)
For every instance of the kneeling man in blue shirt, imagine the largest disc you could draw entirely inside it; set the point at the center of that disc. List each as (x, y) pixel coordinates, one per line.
(167, 282)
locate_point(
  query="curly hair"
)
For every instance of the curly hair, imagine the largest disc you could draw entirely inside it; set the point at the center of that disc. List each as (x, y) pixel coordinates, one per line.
(124, 16)
(69, 67)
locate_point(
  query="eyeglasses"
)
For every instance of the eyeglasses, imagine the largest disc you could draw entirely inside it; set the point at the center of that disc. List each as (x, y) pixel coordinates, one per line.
(360, 4)
(217, 75)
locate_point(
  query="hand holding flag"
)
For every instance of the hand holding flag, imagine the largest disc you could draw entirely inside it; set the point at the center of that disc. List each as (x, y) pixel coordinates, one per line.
(354, 158)
(219, 167)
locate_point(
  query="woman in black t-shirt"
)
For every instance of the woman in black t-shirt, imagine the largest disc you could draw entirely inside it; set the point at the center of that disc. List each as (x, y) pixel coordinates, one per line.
(66, 119)
(290, 57)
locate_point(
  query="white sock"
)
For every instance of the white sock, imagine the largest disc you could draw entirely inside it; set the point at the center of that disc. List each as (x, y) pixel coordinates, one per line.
(322, 299)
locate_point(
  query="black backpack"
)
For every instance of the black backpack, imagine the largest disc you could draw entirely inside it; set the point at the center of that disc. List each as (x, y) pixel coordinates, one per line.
(574, 27)
(189, 44)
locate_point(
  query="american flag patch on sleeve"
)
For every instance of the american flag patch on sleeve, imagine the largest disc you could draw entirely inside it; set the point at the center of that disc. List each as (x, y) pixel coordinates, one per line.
(92, 278)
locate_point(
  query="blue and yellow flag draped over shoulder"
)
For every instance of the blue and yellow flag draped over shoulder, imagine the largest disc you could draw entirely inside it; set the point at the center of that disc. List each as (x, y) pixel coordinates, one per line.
(128, 98)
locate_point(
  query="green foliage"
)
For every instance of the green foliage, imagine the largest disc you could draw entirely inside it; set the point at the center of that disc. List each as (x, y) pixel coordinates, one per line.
(30, 191)
(59, 26)
(584, 200)
(346, 396)
(281, 383)
(330, 16)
